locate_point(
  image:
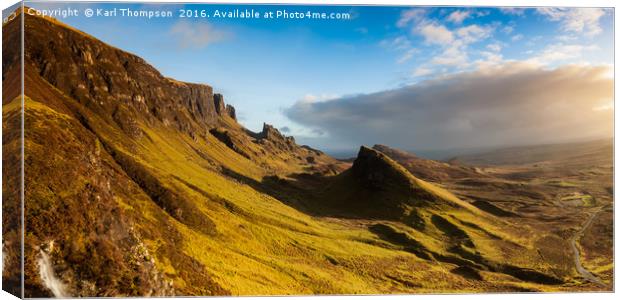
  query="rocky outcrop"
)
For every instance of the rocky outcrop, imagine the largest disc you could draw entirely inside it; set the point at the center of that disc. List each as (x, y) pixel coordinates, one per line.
(377, 170)
(222, 108)
(376, 186)
(271, 135)
(218, 102)
(101, 77)
(230, 110)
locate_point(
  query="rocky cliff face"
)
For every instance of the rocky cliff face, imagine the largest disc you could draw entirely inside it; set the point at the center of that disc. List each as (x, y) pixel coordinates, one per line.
(222, 108)
(106, 79)
(272, 135)
(230, 110)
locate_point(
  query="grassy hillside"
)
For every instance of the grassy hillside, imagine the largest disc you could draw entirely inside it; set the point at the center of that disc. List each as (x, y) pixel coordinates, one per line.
(564, 196)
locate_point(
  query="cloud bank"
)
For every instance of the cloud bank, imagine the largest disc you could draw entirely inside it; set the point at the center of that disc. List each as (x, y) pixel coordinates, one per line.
(515, 103)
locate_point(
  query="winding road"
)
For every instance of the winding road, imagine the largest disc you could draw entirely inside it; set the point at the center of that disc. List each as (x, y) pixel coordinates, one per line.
(577, 255)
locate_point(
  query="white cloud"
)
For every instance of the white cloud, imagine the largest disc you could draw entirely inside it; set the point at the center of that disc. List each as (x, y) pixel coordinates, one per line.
(312, 98)
(452, 56)
(422, 71)
(492, 57)
(458, 16)
(455, 51)
(508, 29)
(406, 56)
(495, 47)
(576, 20)
(517, 37)
(413, 15)
(560, 52)
(473, 33)
(454, 44)
(196, 35)
(436, 34)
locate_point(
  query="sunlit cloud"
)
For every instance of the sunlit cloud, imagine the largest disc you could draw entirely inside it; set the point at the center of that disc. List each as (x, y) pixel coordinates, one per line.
(436, 34)
(511, 103)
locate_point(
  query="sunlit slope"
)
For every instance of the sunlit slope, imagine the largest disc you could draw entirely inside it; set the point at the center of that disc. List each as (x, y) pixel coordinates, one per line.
(439, 225)
(558, 196)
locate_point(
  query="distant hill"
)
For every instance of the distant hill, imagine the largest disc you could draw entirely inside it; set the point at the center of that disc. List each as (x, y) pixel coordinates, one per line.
(427, 169)
(539, 153)
(378, 186)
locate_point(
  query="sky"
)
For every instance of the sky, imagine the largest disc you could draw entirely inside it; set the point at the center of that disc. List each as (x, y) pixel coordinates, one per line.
(416, 78)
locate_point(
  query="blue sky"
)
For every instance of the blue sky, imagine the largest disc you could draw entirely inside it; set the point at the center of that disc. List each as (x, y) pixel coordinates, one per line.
(284, 71)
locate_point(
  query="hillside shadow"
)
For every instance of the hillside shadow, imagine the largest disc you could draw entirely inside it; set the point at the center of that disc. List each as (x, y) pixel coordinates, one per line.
(301, 192)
